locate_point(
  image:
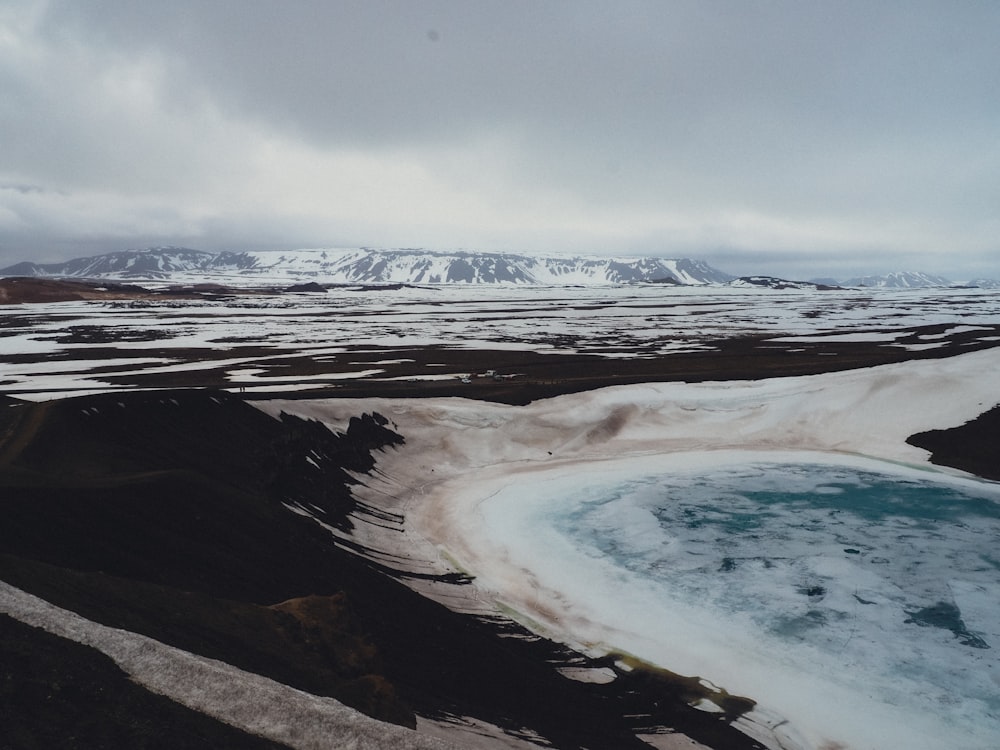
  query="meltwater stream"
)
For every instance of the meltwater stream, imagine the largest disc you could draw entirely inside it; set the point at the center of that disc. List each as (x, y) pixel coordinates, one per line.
(879, 583)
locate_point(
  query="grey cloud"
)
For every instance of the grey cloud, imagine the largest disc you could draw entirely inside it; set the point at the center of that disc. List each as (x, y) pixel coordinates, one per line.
(852, 113)
(368, 70)
(24, 189)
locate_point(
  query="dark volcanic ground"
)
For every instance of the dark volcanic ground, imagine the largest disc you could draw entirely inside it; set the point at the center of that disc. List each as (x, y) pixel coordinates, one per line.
(162, 513)
(973, 447)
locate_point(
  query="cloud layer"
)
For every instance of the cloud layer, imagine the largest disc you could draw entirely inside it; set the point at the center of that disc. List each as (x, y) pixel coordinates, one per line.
(790, 138)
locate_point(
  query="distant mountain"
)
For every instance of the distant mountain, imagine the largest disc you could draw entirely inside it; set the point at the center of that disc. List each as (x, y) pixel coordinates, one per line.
(773, 282)
(825, 281)
(418, 266)
(152, 263)
(364, 265)
(899, 280)
(905, 280)
(984, 283)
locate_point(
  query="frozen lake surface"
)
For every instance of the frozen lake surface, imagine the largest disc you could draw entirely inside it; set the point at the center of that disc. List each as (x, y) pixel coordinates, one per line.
(816, 585)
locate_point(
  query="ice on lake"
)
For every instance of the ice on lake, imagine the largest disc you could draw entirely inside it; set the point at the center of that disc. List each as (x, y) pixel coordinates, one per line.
(853, 619)
(833, 592)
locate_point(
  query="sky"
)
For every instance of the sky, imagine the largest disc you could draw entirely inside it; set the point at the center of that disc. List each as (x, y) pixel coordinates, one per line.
(798, 139)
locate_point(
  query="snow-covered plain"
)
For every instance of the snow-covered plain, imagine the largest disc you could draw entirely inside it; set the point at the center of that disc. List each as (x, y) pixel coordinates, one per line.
(492, 490)
(622, 322)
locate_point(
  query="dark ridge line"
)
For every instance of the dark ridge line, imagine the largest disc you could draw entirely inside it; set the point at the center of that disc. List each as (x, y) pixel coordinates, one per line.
(973, 447)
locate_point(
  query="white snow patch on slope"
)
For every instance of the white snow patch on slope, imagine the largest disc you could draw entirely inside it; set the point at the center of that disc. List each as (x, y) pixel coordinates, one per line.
(247, 701)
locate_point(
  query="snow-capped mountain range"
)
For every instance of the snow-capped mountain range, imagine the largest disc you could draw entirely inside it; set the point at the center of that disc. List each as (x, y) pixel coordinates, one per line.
(365, 265)
(419, 266)
(899, 280)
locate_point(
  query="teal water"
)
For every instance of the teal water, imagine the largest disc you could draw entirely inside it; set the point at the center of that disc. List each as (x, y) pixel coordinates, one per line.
(893, 576)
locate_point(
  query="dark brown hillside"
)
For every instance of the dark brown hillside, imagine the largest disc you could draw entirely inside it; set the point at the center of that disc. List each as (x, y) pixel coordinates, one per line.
(164, 513)
(21, 290)
(973, 447)
(144, 487)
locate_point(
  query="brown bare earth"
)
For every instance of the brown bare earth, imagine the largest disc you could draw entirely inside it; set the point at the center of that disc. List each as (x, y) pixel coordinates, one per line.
(15, 291)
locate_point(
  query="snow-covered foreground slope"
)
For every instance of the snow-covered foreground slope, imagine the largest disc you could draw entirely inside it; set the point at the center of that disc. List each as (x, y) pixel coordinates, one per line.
(248, 701)
(469, 473)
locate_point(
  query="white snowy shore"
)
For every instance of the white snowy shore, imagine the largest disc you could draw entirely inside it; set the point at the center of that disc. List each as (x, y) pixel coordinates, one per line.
(461, 455)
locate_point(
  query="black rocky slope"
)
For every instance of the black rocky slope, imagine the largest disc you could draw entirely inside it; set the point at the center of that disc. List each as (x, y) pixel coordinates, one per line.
(973, 447)
(61, 695)
(165, 513)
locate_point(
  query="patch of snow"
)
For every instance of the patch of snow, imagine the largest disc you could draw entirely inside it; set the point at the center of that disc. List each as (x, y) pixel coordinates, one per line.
(842, 337)
(597, 675)
(244, 700)
(922, 347)
(614, 322)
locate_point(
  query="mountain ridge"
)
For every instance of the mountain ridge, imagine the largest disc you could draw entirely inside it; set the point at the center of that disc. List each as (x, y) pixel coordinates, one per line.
(898, 280)
(422, 266)
(367, 265)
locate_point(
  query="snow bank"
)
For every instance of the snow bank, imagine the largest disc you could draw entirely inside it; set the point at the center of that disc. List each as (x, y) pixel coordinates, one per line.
(247, 701)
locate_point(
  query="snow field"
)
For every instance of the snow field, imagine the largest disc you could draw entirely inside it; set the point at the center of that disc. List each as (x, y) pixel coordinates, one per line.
(614, 321)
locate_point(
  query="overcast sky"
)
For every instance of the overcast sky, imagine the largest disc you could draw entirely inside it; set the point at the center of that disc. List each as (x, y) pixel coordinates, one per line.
(793, 138)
